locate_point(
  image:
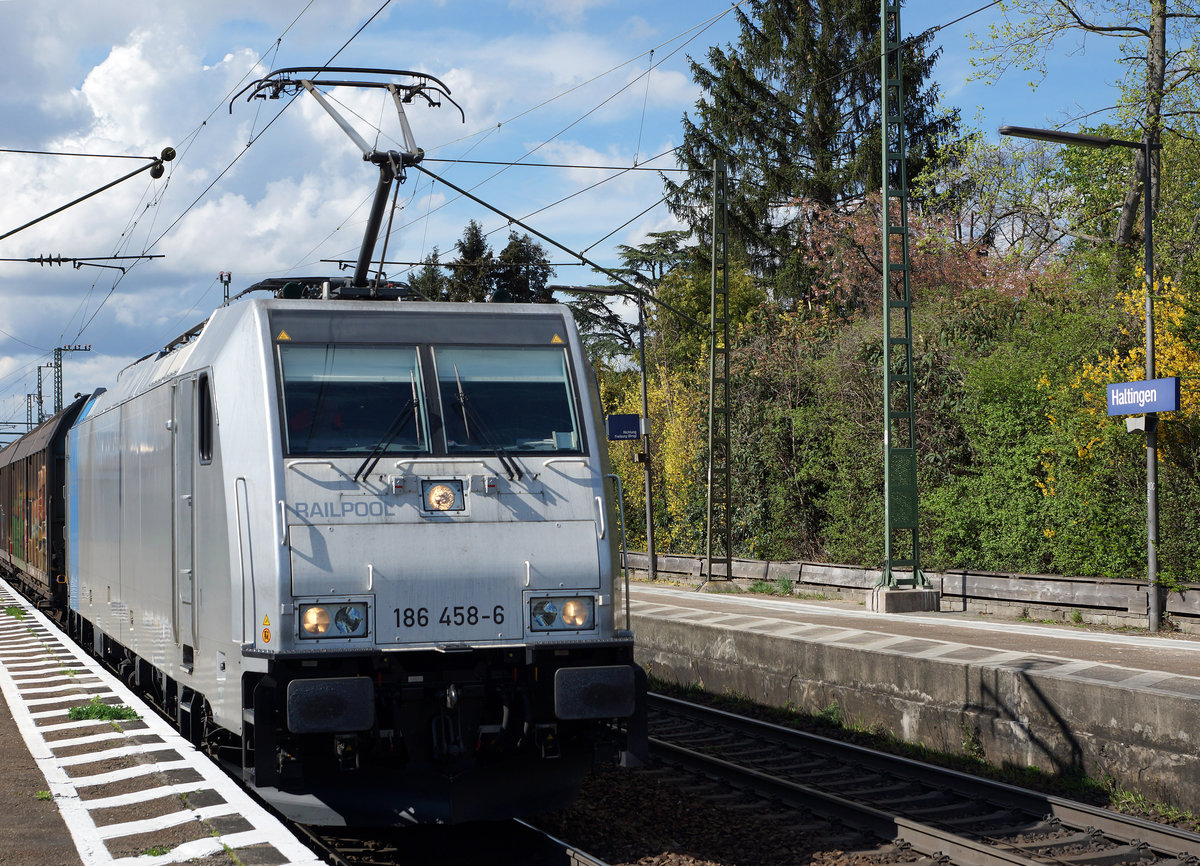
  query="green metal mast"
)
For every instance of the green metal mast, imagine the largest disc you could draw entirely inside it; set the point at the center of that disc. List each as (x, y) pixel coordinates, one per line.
(719, 532)
(902, 549)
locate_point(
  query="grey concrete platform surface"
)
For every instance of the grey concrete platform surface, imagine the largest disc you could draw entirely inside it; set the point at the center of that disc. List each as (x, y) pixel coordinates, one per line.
(130, 791)
(1112, 704)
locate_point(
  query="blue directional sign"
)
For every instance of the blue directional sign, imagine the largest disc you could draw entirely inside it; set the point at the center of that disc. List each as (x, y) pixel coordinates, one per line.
(1136, 398)
(623, 427)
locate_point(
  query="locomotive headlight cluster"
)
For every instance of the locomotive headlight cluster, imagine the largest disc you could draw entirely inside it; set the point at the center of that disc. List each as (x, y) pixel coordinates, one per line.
(562, 614)
(335, 620)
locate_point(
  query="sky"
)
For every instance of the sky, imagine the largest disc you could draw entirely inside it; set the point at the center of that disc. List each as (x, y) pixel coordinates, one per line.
(270, 188)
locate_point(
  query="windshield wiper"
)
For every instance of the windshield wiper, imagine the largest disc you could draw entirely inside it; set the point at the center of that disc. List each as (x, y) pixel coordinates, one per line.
(511, 468)
(392, 432)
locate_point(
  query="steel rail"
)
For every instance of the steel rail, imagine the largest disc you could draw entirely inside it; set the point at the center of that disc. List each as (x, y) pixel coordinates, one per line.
(1127, 829)
(921, 837)
(521, 844)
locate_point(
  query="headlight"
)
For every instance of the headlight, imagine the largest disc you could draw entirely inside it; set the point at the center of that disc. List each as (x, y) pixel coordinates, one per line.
(561, 614)
(333, 620)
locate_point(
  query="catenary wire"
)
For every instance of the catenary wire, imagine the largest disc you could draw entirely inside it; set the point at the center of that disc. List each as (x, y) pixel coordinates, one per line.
(233, 162)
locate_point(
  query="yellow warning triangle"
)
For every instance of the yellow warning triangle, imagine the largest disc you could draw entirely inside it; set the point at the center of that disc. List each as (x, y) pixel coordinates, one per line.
(557, 339)
(284, 335)
(266, 620)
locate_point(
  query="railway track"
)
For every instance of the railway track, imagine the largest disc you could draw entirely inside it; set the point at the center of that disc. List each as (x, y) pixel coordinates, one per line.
(503, 843)
(946, 815)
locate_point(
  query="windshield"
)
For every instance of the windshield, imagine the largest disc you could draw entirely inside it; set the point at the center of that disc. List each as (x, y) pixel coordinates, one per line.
(352, 399)
(515, 399)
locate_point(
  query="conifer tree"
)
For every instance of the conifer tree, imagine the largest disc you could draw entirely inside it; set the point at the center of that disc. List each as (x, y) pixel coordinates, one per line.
(471, 275)
(522, 272)
(793, 110)
(429, 283)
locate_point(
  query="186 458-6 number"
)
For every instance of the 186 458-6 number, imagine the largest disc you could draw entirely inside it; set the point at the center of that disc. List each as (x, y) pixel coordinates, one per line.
(419, 617)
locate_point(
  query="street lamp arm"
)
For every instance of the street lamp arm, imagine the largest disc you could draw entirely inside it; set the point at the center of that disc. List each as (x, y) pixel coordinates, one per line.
(1078, 139)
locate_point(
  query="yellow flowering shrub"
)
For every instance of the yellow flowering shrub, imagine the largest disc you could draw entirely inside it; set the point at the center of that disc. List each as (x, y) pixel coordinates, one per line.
(1172, 355)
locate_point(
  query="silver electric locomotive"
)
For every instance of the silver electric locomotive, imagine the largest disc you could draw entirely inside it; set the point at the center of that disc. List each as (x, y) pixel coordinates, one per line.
(366, 551)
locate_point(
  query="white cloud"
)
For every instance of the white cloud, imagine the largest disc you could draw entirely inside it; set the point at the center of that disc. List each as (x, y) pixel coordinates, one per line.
(133, 79)
(568, 11)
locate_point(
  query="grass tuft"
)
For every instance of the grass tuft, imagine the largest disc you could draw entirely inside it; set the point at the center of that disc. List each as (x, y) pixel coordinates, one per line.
(97, 709)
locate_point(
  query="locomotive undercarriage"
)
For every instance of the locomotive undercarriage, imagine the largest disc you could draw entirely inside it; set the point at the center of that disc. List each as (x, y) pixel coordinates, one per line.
(449, 731)
(432, 736)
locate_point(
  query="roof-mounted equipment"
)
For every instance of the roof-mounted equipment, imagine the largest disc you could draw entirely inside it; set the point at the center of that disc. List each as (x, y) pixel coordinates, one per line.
(391, 163)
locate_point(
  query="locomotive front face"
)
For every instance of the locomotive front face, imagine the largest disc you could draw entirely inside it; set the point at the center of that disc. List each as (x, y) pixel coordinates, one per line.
(439, 491)
(445, 551)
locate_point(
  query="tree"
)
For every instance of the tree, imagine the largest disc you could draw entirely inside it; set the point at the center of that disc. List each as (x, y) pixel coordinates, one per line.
(522, 272)
(429, 283)
(646, 264)
(793, 110)
(1157, 40)
(471, 276)
(608, 334)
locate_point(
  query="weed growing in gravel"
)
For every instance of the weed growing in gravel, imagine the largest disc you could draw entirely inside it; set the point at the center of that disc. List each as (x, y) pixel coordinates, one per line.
(1133, 803)
(44, 795)
(229, 852)
(14, 611)
(97, 709)
(831, 716)
(156, 851)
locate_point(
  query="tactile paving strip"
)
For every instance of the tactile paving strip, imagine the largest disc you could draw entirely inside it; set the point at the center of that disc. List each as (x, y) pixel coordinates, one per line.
(131, 791)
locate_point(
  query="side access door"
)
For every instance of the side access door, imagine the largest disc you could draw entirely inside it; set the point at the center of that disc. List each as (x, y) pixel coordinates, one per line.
(185, 517)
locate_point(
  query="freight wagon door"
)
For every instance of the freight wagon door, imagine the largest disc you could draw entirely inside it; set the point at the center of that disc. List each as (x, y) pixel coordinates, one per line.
(185, 435)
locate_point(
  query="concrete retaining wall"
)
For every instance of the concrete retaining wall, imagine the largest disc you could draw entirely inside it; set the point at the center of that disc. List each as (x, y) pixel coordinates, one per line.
(1042, 713)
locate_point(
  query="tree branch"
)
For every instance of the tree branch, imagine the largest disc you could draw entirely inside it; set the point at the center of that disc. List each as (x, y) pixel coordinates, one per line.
(1096, 28)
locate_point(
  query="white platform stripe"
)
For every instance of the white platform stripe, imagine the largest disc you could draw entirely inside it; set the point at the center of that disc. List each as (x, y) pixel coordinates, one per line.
(205, 847)
(51, 676)
(145, 795)
(85, 740)
(24, 650)
(126, 773)
(109, 754)
(72, 683)
(162, 822)
(66, 726)
(89, 839)
(85, 695)
(61, 711)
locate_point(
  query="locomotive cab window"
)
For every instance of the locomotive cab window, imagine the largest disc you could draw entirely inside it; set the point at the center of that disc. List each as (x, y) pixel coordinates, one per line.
(352, 399)
(204, 419)
(510, 398)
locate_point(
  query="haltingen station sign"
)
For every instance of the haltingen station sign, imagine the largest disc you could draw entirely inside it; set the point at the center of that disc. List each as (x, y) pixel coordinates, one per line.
(1135, 398)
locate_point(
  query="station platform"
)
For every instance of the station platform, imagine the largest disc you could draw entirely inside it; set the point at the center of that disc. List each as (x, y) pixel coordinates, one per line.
(106, 791)
(1060, 698)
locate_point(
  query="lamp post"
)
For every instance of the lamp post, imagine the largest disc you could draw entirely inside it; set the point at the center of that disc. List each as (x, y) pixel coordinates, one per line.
(1103, 141)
